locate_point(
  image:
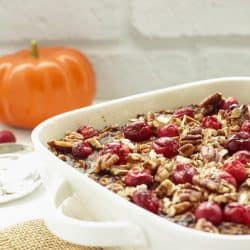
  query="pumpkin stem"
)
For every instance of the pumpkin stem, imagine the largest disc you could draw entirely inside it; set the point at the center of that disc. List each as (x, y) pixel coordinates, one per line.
(34, 48)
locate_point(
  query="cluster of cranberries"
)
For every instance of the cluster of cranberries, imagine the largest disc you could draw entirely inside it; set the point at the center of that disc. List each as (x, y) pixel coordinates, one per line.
(232, 212)
(83, 150)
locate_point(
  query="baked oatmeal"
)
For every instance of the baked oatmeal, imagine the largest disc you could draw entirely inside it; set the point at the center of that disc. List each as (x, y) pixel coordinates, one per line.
(190, 165)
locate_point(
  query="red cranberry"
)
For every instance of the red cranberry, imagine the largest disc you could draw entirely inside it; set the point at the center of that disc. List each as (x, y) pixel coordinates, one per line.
(238, 141)
(147, 200)
(184, 111)
(242, 156)
(166, 146)
(81, 150)
(7, 136)
(245, 127)
(183, 173)
(169, 131)
(236, 169)
(136, 177)
(248, 215)
(210, 122)
(227, 177)
(236, 213)
(116, 148)
(137, 131)
(229, 103)
(87, 131)
(210, 211)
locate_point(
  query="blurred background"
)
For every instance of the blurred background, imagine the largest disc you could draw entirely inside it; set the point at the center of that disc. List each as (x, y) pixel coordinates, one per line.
(137, 45)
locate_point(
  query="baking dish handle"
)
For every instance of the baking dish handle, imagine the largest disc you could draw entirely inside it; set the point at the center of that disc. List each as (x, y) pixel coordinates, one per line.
(90, 233)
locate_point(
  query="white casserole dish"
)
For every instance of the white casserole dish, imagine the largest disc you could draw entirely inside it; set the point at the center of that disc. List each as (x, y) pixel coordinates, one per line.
(117, 221)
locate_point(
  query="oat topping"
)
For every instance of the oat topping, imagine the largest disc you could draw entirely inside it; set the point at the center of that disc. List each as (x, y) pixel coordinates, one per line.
(190, 165)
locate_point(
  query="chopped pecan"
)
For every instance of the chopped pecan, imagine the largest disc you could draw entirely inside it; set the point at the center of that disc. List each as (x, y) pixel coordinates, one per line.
(236, 113)
(206, 226)
(211, 104)
(62, 157)
(73, 137)
(245, 197)
(144, 148)
(245, 185)
(134, 157)
(118, 170)
(150, 164)
(105, 162)
(94, 143)
(237, 117)
(105, 180)
(80, 164)
(127, 192)
(186, 149)
(187, 193)
(213, 184)
(150, 116)
(166, 188)
(162, 173)
(115, 187)
(223, 198)
(174, 209)
(192, 135)
(60, 144)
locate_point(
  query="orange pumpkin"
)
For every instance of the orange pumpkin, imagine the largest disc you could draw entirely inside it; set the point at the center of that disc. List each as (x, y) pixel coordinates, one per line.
(37, 84)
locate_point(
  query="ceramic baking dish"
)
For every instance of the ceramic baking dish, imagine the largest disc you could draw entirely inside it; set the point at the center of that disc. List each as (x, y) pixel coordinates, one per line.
(118, 222)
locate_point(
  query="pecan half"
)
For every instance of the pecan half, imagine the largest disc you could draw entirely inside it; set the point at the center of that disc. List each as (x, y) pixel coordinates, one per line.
(192, 135)
(211, 104)
(186, 149)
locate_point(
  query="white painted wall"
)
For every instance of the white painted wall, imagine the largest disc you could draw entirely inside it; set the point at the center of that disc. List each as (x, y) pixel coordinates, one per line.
(137, 45)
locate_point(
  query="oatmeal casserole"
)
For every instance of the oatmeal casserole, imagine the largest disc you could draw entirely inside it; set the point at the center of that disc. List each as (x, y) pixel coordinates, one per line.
(190, 165)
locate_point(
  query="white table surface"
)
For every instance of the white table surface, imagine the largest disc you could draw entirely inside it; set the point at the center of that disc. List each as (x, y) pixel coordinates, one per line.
(28, 207)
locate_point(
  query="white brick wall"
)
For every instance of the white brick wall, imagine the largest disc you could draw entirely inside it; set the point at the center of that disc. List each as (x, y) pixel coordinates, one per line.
(137, 45)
